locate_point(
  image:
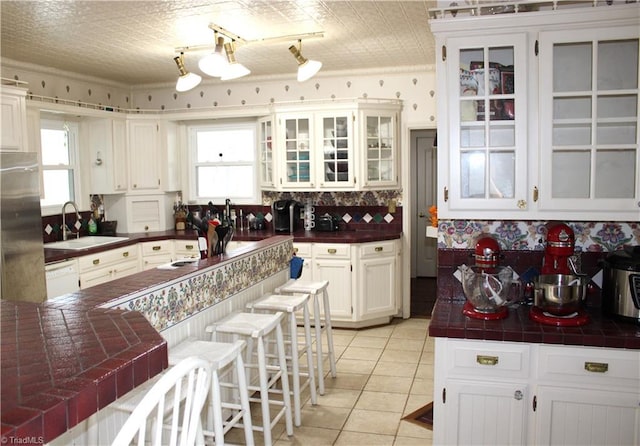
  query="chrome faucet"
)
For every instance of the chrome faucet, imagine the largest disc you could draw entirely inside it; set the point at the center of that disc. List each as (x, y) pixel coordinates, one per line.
(65, 228)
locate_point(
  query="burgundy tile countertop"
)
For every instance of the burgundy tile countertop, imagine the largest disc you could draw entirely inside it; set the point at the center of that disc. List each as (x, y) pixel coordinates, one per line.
(447, 321)
(302, 236)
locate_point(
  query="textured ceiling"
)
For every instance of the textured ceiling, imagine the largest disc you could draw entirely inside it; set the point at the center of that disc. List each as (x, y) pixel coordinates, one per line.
(134, 42)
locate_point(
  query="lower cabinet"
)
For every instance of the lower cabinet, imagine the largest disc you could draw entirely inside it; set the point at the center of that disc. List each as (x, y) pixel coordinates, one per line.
(108, 265)
(154, 254)
(518, 393)
(364, 284)
(186, 249)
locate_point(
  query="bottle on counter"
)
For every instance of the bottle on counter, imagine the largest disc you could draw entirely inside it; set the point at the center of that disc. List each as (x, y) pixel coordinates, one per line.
(92, 226)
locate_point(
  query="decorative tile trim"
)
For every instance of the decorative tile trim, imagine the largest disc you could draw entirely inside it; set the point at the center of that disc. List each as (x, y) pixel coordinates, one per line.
(170, 303)
(529, 235)
(345, 198)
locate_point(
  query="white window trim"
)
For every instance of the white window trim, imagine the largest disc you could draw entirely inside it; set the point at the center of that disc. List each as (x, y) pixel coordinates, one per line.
(74, 160)
(233, 125)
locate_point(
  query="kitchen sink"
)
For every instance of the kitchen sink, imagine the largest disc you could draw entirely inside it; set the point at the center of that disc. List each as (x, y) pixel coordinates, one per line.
(90, 241)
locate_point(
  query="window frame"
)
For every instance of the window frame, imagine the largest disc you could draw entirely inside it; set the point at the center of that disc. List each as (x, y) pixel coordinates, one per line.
(193, 165)
(58, 123)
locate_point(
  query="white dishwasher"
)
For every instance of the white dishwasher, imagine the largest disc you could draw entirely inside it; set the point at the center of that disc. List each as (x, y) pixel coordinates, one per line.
(62, 277)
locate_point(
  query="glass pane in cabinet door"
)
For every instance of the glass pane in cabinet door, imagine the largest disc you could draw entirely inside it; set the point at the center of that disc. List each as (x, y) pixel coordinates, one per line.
(578, 134)
(472, 136)
(572, 63)
(574, 107)
(502, 135)
(502, 174)
(571, 174)
(616, 133)
(386, 170)
(618, 106)
(472, 174)
(386, 129)
(373, 170)
(471, 60)
(615, 173)
(618, 64)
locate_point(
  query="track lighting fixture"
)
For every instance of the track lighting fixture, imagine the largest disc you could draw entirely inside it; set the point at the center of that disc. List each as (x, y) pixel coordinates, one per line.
(234, 69)
(306, 68)
(186, 80)
(215, 64)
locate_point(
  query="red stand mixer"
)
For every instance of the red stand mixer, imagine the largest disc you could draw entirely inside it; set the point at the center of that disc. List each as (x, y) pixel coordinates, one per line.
(559, 290)
(486, 284)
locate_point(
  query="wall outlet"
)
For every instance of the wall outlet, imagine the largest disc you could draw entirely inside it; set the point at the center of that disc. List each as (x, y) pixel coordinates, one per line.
(391, 205)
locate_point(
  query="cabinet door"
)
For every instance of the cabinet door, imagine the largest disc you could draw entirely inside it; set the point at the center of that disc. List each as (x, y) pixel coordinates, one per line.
(589, 137)
(295, 140)
(586, 417)
(144, 156)
(336, 164)
(486, 141)
(380, 151)
(267, 154)
(13, 111)
(124, 269)
(485, 413)
(377, 287)
(107, 143)
(338, 273)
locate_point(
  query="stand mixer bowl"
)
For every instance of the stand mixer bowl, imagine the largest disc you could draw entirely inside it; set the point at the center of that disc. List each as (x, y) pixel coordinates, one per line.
(487, 289)
(560, 294)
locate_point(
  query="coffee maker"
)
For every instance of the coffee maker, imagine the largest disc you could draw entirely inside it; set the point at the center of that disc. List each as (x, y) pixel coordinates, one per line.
(286, 215)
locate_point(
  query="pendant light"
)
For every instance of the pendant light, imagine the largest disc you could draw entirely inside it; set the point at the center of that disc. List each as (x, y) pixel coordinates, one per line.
(186, 80)
(306, 68)
(215, 64)
(234, 69)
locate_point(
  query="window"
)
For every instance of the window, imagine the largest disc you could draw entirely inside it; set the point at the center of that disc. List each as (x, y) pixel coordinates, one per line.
(58, 142)
(223, 162)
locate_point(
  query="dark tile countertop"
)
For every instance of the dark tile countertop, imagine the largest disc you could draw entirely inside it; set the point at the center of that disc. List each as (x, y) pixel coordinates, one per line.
(447, 321)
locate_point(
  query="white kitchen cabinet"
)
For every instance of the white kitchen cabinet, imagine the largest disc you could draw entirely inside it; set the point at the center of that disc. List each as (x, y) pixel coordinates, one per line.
(589, 142)
(332, 262)
(489, 392)
(552, 128)
(351, 145)
(141, 213)
(266, 145)
(303, 250)
(108, 155)
(108, 265)
(377, 279)
(184, 249)
(153, 156)
(153, 254)
(13, 115)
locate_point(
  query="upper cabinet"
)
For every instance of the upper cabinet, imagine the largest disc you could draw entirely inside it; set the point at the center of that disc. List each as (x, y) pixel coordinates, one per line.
(13, 115)
(539, 123)
(343, 146)
(153, 156)
(108, 149)
(266, 152)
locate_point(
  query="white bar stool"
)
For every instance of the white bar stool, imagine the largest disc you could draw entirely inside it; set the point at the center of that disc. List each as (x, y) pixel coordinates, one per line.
(291, 304)
(256, 327)
(222, 356)
(322, 320)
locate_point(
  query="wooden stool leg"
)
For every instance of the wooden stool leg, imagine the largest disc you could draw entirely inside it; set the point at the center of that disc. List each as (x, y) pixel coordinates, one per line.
(329, 330)
(244, 401)
(309, 353)
(286, 397)
(318, 326)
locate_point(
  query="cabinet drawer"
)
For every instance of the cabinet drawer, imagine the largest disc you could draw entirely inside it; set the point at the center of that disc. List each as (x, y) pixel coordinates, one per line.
(583, 365)
(303, 250)
(187, 248)
(331, 251)
(95, 261)
(160, 247)
(378, 248)
(488, 359)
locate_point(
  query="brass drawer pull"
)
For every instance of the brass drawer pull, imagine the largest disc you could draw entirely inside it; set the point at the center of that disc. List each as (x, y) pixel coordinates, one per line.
(188, 246)
(157, 248)
(486, 360)
(295, 249)
(125, 254)
(96, 261)
(596, 367)
(332, 250)
(379, 248)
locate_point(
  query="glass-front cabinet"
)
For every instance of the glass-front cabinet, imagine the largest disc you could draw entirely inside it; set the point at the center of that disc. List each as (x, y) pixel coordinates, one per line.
(380, 151)
(589, 138)
(336, 169)
(297, 138)
(266, 148)
(487, 117)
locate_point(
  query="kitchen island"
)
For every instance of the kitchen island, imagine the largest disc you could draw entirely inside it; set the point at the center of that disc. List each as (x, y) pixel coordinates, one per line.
(515, 381)
(65, 360)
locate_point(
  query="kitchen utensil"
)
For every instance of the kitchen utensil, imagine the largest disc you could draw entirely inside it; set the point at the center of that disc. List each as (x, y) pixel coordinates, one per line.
(560, 294)
(621, 283)
(488, 289)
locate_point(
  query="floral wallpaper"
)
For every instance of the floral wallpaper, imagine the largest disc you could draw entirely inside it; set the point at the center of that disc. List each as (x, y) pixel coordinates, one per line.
(530, 235)
(346, 198)
(175, 302)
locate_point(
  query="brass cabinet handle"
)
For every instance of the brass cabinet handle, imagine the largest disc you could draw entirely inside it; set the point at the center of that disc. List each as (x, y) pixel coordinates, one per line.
(96, 261)
(535, 194)
(379, 248)
(295, 249)
(157, 248)
(332, 250)
(125, 254)
(188, 246)
(486, 360)
(596, 367)
(446, 194)
(146, 228)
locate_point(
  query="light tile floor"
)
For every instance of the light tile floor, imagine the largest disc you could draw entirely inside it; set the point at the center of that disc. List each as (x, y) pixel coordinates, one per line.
(384, 374)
